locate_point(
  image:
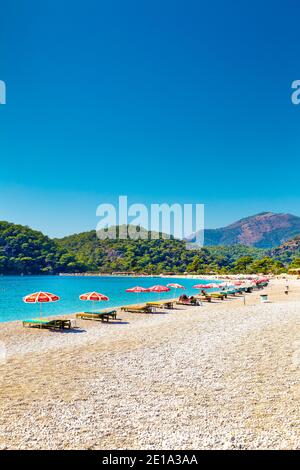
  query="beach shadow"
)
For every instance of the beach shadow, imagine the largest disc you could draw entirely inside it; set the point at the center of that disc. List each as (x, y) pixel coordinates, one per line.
(116, 322)
(159, 312)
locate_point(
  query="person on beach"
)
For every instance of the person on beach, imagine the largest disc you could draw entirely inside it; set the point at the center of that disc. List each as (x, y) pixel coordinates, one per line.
(194, 301)
(183, 298)
(287, 287)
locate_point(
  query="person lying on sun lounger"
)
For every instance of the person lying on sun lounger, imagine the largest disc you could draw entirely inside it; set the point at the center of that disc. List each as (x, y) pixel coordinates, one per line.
(185, 300)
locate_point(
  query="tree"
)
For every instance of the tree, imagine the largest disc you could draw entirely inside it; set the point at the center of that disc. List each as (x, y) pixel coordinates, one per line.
(241, 265)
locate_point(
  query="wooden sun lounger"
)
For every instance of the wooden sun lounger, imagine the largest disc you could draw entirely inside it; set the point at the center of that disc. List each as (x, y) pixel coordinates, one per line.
(218, 295)
(204, 298)
(168, 305)
(229, 292)
(233, 292)
(58, 323)
(103, 316)
(137, 309)
(186, 302)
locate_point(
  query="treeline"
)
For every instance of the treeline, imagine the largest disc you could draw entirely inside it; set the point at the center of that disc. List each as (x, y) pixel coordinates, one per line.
(163, 256)
(27, 251)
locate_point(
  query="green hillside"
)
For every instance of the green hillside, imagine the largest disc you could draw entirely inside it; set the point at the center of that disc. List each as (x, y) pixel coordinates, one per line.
(27, 251)
(159, 256)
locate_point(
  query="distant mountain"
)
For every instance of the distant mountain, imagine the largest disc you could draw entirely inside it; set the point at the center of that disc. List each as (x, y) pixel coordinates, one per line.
(265, 230)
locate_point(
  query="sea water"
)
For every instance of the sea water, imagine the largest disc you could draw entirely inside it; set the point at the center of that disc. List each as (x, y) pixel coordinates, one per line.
(69, 288)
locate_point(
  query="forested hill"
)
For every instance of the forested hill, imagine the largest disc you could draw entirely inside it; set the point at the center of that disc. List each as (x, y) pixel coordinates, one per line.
(288, 251)
(152, 256)
(27, 251)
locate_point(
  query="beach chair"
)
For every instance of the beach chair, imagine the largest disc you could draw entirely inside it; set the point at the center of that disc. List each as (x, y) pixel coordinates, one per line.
(218, 295)
(138, 309)
(204, 298)
(167, 305)
(58, 323)
(104, 315)
(192, 303)
(230, 292)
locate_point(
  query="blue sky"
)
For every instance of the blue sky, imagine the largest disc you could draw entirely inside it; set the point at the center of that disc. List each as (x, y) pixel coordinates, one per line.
(163, 101)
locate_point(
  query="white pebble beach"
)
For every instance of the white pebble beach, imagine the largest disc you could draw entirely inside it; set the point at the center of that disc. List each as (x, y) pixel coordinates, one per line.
(219, 376)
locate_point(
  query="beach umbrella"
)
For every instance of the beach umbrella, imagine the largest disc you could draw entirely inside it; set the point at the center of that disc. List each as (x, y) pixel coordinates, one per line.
(263, 279)
(93, 297)
(159, 289)
(200, 286)
(137, 290)
(204, 286)
(175, 286)
(225, 284)
(40, 297)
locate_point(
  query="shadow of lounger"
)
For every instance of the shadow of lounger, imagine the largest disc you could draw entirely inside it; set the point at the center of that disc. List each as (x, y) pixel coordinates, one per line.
(56, 324)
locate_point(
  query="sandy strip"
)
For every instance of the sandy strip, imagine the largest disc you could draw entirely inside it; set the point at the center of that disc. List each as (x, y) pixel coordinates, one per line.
(219, 376)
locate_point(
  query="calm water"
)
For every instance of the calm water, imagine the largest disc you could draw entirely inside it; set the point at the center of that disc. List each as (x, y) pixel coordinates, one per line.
(14, 288)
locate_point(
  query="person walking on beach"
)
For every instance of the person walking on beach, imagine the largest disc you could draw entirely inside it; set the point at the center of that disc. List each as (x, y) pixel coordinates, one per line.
(287, 287)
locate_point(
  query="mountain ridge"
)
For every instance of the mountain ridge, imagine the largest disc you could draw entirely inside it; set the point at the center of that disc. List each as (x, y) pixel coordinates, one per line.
(263, 230)
(27, 251)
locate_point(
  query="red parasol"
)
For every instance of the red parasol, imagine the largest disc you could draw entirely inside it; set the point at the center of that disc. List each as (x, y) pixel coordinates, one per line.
(40, 297)
(176, 286)
(137, 289)
(94, 296)
(204, 286)
(159, 289)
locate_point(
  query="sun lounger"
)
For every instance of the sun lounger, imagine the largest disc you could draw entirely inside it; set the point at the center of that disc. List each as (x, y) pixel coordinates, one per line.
(138, 309)
(167, 305)
(58, 323)
(218, 295)
(204, 298)
(230, 292)
(104, 315)
(192, 303)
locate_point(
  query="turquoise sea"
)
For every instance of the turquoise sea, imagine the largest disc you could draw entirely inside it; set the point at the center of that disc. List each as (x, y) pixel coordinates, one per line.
(14, 288)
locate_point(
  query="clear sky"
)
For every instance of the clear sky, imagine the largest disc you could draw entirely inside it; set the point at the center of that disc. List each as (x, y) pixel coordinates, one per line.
(163, 101)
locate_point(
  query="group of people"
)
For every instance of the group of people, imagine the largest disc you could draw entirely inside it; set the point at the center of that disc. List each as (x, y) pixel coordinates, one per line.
(192, 300)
